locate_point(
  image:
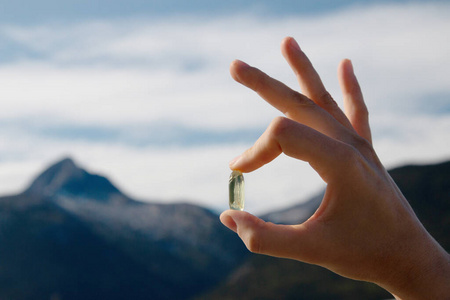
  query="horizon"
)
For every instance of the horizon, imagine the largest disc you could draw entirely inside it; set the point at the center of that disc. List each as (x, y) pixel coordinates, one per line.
(145, 96)
(180, 201)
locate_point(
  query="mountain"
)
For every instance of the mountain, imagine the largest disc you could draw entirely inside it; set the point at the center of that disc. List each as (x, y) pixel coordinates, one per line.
(296, 214)
(66, 179)
(260, 277)
(74, 235)
(427, 189)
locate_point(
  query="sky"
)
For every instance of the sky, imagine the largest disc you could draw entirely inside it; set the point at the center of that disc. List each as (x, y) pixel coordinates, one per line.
(140, 91)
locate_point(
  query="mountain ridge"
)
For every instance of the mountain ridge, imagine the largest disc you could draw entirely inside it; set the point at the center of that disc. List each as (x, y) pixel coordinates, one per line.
(65, 178)
(74, 235)
(110, 246)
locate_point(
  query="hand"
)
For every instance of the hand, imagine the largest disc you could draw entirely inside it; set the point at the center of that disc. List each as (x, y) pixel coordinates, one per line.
(364, 228)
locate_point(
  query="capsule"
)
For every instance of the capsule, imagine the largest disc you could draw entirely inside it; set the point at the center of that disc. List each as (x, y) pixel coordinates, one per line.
(236, 190)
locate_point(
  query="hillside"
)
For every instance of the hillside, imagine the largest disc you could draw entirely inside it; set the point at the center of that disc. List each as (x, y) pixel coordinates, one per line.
(73, 235)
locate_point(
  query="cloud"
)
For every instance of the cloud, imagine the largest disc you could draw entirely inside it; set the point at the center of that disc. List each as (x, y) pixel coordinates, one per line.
(158, 134)
(151, 103)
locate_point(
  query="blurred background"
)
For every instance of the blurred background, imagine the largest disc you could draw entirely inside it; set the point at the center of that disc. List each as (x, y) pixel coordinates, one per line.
(140, 90)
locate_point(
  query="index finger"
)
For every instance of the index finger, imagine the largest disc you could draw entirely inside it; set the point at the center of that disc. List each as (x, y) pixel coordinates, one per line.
(327, 156)
(291, 103)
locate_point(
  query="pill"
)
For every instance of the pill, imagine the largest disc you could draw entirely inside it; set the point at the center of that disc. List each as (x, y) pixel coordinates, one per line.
(236, 190)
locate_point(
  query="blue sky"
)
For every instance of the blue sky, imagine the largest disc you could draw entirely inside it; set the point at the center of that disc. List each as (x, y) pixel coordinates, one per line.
(44, 11)
(140, 90)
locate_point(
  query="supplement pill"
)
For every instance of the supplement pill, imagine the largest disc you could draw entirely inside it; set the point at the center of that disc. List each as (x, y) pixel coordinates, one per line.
(236, 190)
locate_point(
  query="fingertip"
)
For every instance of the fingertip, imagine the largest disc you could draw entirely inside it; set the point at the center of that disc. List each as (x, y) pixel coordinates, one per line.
(347, 78)
(238, 63)
(293, 44)
(236, 67)
(233, 67)
(289, 46)
(248, 227)
(347, 65)
(346, 60)
(234, 219)
(285, 41)
(233, 162)
(263, 237)
(228, 221)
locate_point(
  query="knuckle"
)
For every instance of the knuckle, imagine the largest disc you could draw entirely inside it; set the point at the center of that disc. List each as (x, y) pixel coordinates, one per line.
(267, 147)
(364, 147)
(349, 155)
(258, 82)
(326, 100)
(253, 242)
(368, 152)
(278, 127)
(361, 143)
(299, 103)
(254, 236)
(359, 152)
(301, 100)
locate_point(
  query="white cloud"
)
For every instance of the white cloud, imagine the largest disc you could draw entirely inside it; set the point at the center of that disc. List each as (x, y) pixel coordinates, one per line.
(137, 73)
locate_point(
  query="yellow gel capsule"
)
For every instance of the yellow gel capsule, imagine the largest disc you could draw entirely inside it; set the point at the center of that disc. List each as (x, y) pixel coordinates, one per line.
(236, 190)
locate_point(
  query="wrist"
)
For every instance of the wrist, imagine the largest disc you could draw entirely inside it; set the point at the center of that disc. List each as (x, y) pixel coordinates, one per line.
(423, 272)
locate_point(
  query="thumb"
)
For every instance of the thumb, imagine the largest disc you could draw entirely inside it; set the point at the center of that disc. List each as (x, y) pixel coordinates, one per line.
(289, 241)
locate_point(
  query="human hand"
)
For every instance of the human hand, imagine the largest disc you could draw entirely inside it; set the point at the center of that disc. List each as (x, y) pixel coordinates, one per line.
(364, 228)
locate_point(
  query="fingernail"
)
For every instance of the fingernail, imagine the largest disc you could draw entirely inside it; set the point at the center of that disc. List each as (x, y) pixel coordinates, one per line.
(234, 160)
(238, 69)
(294, 44)
(242, 63)
(350, 65)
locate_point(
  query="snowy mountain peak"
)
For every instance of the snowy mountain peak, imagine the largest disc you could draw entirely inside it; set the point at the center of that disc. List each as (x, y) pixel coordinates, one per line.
(65, 178)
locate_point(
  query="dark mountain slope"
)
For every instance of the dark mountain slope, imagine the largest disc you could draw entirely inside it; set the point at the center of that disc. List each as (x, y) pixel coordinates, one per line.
(74, 235)
(45, 251)
(427, 189)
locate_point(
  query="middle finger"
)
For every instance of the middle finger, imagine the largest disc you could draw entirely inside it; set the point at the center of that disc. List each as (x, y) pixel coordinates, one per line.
(291, 103)
(310, 83)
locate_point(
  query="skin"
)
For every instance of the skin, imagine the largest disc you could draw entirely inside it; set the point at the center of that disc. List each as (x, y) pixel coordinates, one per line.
(364, 228)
